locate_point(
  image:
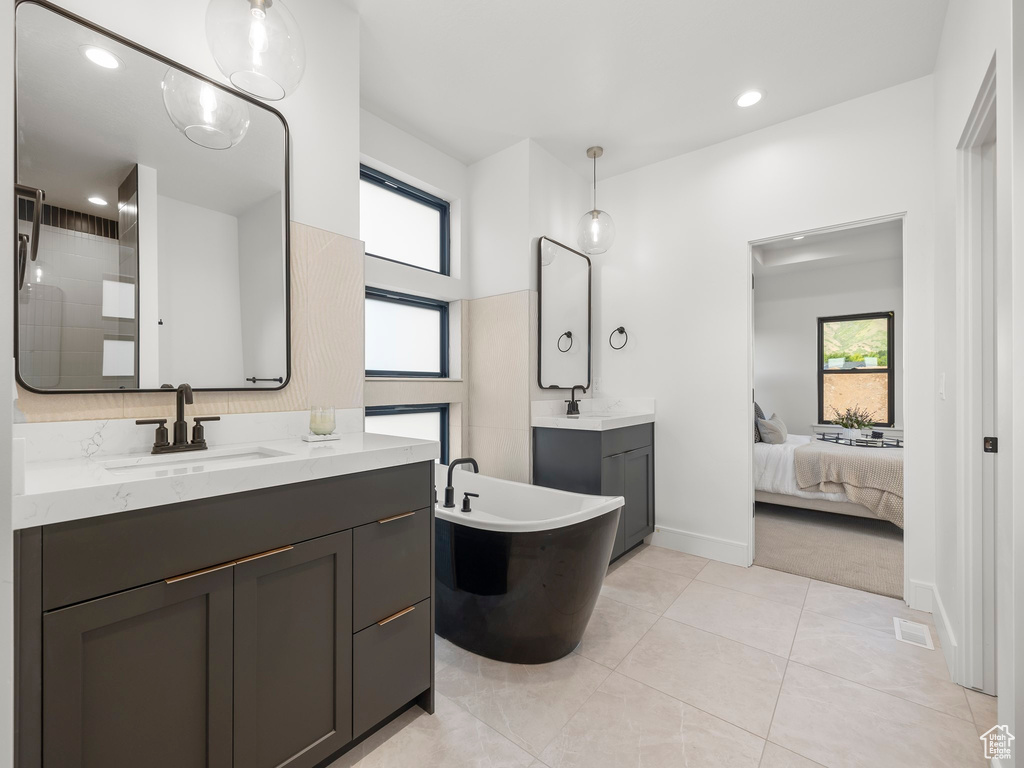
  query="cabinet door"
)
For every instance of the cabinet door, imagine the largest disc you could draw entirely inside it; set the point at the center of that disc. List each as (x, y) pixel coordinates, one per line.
(613, 483)
(638, 514)
(293, 654)
(142, 677)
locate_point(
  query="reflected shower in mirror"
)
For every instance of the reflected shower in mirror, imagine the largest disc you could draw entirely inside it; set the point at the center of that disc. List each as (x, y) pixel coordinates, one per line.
(564, 316)
(162, 249)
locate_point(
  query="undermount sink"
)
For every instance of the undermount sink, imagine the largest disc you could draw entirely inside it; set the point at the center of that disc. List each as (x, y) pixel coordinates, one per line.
(190, 461)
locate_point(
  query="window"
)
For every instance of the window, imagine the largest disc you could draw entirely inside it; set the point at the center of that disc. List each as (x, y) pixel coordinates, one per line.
(855, 366)
(406, 335)
(401, 223)
(426, 422)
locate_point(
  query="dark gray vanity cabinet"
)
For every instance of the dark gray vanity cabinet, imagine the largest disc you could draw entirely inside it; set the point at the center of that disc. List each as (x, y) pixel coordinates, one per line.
(307, 622)
(615, 462)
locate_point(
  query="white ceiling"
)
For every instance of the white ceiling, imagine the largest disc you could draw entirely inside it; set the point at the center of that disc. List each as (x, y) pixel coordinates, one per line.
(647, 79)
(82, 128)
(879, 241)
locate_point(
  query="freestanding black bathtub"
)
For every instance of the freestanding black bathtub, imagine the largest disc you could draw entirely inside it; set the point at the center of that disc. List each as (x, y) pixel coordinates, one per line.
(518, 577)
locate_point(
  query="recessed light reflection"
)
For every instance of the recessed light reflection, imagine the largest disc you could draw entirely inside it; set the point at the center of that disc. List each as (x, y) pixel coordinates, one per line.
(95, 200)
(101, 57)
(749, 98)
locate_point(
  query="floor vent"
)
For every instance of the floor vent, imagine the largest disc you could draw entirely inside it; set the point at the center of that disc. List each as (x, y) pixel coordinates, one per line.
(913, 633)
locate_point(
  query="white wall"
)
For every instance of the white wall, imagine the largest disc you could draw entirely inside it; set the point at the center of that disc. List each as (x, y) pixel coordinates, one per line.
(786, 312)
(261, 291)
(975, 31)
(201, 338)
(322, 114)
(678, 279)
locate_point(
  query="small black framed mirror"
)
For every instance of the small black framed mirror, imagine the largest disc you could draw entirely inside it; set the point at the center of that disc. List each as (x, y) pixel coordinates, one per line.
(564, 316)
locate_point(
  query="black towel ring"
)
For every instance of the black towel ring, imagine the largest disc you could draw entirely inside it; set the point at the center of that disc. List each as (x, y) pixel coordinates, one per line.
(621, 329)
(568, 335)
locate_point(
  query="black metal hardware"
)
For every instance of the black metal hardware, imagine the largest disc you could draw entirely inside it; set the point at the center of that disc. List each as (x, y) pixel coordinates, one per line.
(861, 442)
(465, 501)
(568, 335)
(253, 379)
(449, 491)
(573, 407)
(37, 212)
(22, 259)
(991, 445)
(160, 441)
(540, 312)
(198, 433)
(621, 329)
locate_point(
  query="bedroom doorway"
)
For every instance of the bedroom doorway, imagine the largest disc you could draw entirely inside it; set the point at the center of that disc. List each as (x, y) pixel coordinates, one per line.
(827, 343)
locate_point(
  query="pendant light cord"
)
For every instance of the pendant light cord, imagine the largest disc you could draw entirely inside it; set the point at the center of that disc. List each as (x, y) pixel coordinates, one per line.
(595, 182)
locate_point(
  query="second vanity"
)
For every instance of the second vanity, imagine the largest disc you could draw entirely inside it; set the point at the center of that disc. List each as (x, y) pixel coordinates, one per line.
(264, 605)
(607, 449)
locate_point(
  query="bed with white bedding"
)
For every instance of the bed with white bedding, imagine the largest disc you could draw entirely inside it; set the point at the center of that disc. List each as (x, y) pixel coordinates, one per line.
(775, 481)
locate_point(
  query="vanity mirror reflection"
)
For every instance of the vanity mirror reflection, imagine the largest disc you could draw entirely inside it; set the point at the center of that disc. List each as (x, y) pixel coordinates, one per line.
(159, 254)
(563, 333)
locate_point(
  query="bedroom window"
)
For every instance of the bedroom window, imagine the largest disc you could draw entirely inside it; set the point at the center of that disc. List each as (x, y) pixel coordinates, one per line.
(855, 366)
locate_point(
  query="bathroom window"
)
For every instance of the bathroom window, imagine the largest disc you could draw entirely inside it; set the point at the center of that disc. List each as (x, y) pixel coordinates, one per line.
(399, 222)
(426, 422)
(855, 366)
(406, 336)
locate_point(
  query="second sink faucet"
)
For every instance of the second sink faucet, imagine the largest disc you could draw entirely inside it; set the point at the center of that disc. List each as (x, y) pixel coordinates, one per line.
(449, 491)
(573, 407)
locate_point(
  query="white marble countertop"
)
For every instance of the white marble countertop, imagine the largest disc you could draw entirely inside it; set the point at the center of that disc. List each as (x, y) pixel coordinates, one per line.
(596, 414)
(78, 488)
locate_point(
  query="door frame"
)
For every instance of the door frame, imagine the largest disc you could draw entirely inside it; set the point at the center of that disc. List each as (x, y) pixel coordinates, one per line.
(910, 530)
(971, 664)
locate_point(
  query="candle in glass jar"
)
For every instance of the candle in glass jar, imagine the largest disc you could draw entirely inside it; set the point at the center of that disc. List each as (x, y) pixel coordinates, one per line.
(321, 420)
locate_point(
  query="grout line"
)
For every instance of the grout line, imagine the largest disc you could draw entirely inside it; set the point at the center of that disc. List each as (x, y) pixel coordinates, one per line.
(749, 594)
(723, 637)
(645, 610)
(575, 711)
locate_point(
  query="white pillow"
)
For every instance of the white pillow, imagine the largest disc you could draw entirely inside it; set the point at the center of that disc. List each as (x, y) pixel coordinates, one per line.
(773, 430)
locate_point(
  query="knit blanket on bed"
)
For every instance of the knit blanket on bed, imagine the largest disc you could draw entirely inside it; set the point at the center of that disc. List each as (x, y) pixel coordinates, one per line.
(872, 477)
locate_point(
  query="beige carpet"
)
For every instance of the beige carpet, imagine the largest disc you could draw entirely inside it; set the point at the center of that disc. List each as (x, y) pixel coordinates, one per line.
(849, 551)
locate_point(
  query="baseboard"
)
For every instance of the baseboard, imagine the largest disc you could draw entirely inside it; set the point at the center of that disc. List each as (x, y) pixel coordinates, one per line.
(711, 547)
(921, 596)
(995, 762)
(950, 649)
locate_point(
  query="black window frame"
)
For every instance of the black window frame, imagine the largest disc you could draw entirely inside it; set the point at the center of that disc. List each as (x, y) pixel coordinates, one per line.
(890, 369)
(443, 207)
(441, 408)
(421, 302)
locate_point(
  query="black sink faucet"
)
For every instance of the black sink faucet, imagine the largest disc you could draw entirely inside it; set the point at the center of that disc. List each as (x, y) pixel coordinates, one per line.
(449, 491)
(573, 409)
(182, 397)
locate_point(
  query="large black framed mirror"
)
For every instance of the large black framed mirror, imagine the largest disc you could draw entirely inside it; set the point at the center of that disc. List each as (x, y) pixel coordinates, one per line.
(160, 251)
(564, 316)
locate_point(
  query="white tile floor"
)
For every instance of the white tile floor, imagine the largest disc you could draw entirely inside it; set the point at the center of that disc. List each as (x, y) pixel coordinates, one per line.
(694, 663)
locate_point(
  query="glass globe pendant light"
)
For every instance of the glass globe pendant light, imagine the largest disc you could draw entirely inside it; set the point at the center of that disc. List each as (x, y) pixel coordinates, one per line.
(208, 116)
(257, 44)
(596, 231)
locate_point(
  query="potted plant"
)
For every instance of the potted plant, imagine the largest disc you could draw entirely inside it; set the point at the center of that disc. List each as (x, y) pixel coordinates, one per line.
(852, 420)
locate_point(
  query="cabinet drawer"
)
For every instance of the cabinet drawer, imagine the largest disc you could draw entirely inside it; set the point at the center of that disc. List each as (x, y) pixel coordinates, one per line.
(391, 666)
(391, 566)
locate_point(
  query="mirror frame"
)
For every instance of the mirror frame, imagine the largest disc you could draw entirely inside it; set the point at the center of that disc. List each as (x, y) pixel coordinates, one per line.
(540, 312)
(287, 206)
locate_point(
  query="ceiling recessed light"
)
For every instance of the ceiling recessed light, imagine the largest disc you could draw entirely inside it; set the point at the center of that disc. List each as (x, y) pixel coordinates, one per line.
(749, 98)
(101, 57)
(799, 237)
(96, 200)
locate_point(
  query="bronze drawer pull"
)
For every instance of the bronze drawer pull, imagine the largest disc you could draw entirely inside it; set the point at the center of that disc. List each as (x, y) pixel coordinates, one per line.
(202, 572)
(398, 615)
(259, 555)
(396, 517)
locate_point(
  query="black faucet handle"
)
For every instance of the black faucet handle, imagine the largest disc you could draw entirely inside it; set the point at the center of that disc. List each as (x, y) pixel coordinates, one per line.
(198, 433)
(465, 501)
(160, 440)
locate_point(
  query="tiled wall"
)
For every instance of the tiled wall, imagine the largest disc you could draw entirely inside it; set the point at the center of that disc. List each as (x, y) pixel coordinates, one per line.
(326, 343)
(499, 387)
(61, 328)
